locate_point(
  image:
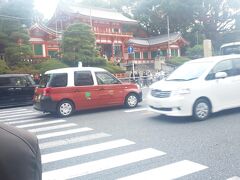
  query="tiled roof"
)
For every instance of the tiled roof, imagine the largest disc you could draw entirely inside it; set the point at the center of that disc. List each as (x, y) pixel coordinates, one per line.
(173, 37)
(98, 13)
(36, 40)
(44, 28)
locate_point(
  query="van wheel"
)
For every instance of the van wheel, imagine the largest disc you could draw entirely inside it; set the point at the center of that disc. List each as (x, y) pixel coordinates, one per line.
(201, 109)
(131, 100)
(65, 108)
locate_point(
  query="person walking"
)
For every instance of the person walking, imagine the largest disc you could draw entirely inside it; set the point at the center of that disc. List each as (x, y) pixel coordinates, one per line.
(144, 79)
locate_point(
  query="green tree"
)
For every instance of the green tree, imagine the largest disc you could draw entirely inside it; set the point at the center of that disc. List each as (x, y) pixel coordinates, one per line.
(207, 18)
(16, 17)
(18, 48)
(79, 45)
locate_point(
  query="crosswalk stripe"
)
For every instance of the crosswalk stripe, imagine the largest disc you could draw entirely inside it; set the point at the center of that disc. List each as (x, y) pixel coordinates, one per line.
(24, 121)
(10, 111)
(72, 140)
(17, 115)
(135, 110)
(171, 171)
(52, 127)
(234, 178)
(15, 119)
(3, 115)
(85, 150)
(61, 133)
(102, 164)
(40, 124)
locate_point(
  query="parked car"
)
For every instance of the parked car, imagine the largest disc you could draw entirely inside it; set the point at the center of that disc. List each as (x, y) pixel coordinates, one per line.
(198, 88)
(63, 91)
(16, 89)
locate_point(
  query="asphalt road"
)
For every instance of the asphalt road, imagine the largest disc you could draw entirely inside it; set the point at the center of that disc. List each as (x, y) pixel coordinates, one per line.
(118, 143)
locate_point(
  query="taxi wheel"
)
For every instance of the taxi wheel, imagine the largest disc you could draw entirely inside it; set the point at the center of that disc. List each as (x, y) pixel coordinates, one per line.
(131, 100)
(65, 108)
(201, 109)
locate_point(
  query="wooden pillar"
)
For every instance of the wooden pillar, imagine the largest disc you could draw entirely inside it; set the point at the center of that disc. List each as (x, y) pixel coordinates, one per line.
(123, 46)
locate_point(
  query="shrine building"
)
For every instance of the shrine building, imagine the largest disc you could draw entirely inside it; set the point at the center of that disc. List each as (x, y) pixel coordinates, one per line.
(114, 33)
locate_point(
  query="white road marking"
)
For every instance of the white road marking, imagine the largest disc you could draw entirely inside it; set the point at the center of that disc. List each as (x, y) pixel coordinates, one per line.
(14, 110)
(85, 150)
(72, 140)
(3, 115)
(17, 115)
(100, 165)
(25, 121)
(61, 133)
(52, 127)
(171, 171)
(40, 124)
(135, 110)
(14, 119)
(234, 178)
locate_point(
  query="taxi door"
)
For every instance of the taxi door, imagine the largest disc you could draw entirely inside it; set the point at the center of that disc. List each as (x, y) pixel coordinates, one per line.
(110, 89)
(85, 93)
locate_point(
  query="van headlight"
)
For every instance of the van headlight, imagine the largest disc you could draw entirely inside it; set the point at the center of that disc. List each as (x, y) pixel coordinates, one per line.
(181, 92)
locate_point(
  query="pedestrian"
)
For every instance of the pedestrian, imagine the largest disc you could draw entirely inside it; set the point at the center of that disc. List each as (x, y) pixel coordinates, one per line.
(144, 78)
(20, 157)
(150, 78)
(132, 76)
(137, 77)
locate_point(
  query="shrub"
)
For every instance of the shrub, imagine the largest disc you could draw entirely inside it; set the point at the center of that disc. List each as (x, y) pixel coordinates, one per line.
(177, 60)
(113, 68)
(49, 65)
(195, 52)
(3, 67)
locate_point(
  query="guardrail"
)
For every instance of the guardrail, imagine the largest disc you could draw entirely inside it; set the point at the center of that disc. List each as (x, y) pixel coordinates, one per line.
(142, 81)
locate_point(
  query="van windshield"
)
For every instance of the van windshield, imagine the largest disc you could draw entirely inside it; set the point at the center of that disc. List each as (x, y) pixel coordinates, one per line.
(188, 71)
(231, 49)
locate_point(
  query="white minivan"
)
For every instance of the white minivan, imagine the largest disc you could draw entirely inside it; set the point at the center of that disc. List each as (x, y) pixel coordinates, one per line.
(198, 88)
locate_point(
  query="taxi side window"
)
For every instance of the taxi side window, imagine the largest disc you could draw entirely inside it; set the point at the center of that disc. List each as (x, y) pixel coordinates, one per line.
(106, 78)
(83, 78)
(224, 66)
(58, 80)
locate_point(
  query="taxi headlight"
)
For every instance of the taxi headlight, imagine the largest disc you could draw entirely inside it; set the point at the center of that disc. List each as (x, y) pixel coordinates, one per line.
(181, 92)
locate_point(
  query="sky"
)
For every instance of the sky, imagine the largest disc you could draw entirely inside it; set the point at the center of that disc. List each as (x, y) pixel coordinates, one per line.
(46, 7)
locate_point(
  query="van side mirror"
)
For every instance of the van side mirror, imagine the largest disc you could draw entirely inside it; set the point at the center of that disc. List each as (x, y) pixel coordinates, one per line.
(221, 75)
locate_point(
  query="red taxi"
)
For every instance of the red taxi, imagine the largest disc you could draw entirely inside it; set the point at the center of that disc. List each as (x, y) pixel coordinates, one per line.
(66, 90)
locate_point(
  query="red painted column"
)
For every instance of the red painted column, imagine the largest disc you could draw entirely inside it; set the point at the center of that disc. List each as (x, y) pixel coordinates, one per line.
(123, 46)
(46, 48)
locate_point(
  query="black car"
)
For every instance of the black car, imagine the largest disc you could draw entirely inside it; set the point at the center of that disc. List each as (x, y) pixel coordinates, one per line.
(16, 89)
